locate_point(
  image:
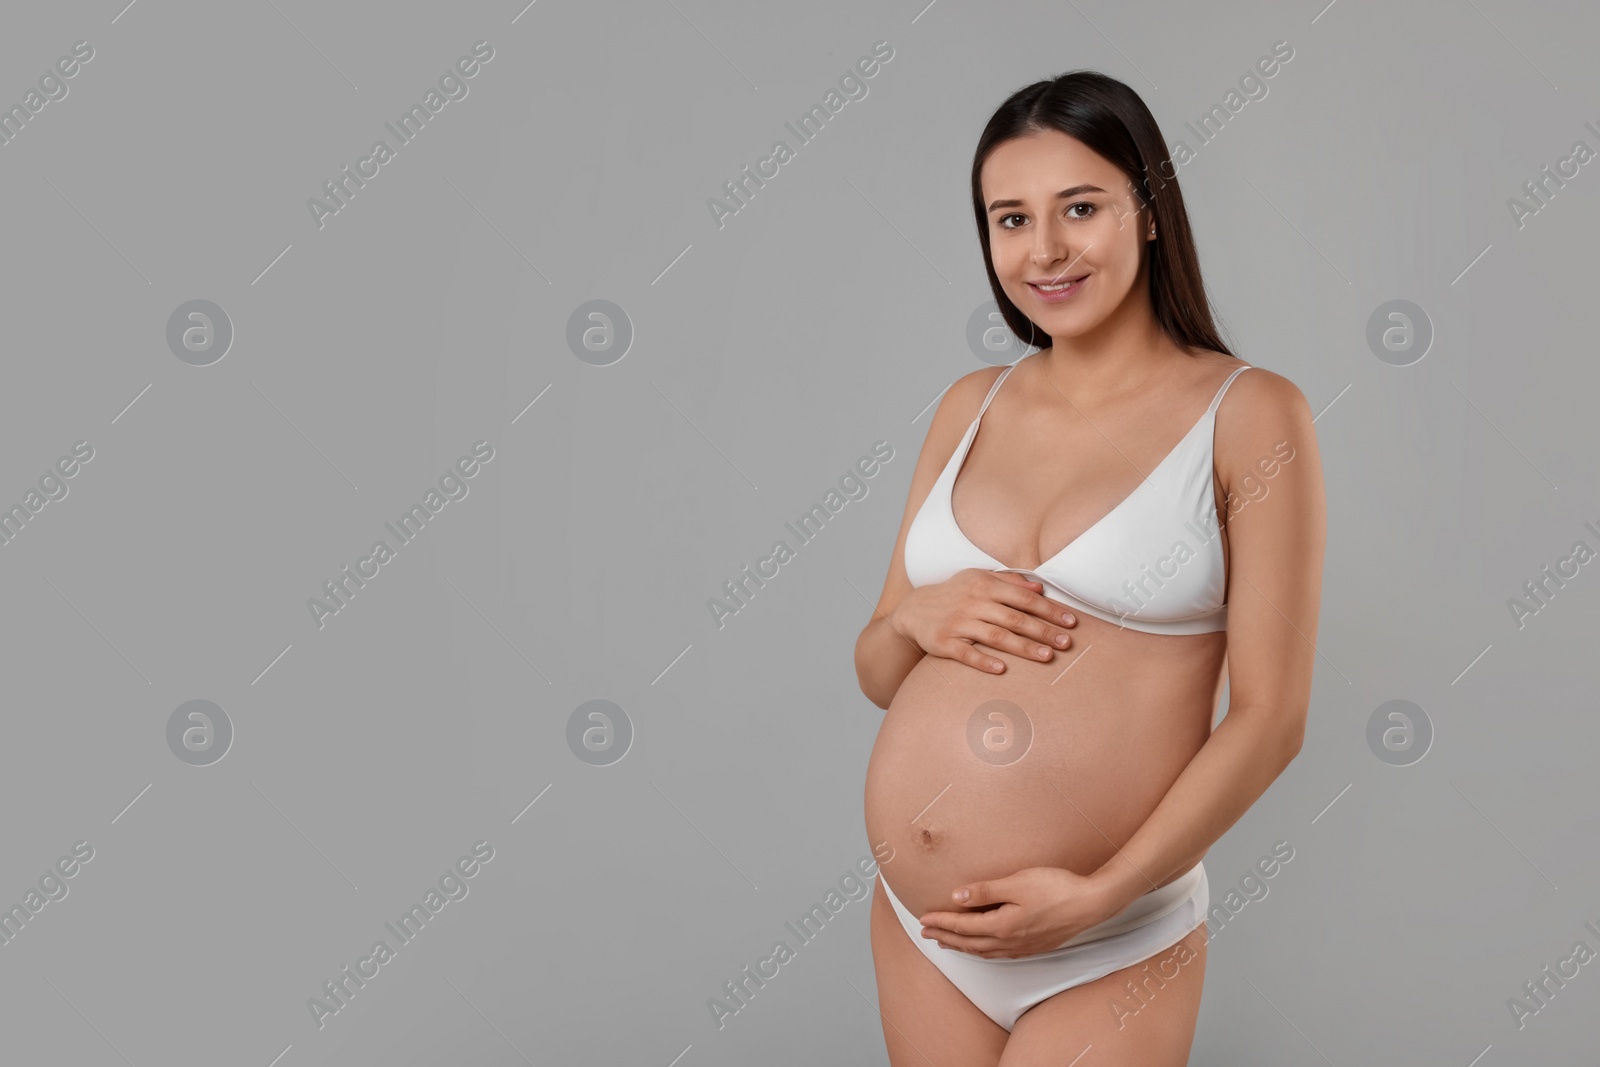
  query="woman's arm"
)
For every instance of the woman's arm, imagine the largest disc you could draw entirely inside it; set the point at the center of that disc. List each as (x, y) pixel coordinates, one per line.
(884, 656)
(1276, 536)
(883, 659)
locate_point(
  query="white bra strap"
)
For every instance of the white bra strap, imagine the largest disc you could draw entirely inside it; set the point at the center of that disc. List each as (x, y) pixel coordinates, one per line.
(995, 388)
(1216, 400)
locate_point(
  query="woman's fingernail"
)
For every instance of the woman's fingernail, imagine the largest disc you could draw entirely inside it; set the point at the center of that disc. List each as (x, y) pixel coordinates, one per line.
(1043, 653)
(1066, 618)
(1061, 639)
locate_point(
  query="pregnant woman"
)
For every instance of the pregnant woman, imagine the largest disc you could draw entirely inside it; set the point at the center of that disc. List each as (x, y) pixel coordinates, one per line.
(1092, 534)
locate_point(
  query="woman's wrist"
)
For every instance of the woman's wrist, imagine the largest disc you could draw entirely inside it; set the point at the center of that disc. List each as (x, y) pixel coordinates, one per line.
(1118, 883)
(897, 626)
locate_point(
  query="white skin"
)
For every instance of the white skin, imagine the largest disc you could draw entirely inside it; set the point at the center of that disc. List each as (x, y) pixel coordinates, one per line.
(1104, 341)
(1110, 364)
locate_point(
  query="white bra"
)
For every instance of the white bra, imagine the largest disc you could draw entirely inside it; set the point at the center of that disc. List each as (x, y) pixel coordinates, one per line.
(1153, 563)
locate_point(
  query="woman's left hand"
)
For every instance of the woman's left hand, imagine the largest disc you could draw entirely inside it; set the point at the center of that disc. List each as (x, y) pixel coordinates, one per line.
(1040, 908)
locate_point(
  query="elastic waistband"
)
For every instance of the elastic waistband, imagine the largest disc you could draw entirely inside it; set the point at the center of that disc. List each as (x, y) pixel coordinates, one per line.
(1154, 905)
(1148, 908)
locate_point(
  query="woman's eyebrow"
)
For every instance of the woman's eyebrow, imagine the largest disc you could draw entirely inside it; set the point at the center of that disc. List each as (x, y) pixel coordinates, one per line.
(1075, 190)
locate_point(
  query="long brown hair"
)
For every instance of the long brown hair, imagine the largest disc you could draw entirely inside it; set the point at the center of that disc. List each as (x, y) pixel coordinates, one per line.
(1110, 118)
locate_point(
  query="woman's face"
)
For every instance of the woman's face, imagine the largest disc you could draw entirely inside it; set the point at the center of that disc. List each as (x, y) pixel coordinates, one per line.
(1060, 213)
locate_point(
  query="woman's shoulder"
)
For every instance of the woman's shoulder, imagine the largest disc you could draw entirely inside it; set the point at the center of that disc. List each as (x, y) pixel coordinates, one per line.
(1262, 393)
(1256, 393)
(961, 400)
(957, 408)
(1261, 411)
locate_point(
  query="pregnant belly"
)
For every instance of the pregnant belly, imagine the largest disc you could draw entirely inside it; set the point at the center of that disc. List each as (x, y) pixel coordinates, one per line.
(976, 775)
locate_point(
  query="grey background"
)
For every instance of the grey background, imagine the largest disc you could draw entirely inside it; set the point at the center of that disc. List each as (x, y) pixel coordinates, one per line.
(768, 355)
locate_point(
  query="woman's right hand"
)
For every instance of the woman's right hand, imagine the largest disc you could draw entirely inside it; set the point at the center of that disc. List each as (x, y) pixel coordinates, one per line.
(998, 609)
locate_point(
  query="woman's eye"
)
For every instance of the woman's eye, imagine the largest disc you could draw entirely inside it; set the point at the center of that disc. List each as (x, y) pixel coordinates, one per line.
(1088, 210)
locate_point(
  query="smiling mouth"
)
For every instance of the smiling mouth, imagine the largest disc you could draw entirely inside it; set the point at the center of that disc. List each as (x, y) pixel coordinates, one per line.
(1058, 289)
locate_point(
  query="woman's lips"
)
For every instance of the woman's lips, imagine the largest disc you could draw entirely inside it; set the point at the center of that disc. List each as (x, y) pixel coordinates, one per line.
(1061, 294)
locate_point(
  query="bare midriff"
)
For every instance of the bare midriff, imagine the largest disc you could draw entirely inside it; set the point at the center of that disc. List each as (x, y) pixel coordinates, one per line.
(977, 775)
